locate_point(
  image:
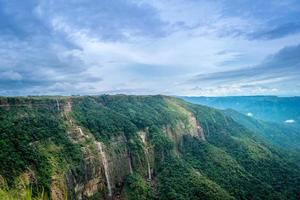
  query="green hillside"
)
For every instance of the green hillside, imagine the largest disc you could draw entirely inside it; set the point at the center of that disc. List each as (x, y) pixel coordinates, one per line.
(281, 135)
(281, 110)
(135, 147)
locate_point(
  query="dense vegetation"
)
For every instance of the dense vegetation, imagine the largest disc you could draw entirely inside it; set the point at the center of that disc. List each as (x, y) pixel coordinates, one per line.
(230, 162)
(281, 135)
(33, 140)
(136, 187)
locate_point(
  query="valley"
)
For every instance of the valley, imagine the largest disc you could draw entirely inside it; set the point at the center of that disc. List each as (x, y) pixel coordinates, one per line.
(137, 147)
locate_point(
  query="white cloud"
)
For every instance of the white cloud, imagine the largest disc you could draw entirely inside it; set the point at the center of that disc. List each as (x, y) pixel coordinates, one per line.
(289, 121)
(176, 52)
(250, 114)
(152, 46)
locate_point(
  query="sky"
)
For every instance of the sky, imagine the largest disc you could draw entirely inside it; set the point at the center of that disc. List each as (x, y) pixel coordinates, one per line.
(171, 47)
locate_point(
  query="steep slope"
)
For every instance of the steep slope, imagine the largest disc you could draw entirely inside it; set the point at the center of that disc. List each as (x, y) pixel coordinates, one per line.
(135, 147)
(34, 148)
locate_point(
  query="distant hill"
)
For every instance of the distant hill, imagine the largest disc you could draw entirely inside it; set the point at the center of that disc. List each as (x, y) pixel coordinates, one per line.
(282, 110)
(281, 135)
(137, 148)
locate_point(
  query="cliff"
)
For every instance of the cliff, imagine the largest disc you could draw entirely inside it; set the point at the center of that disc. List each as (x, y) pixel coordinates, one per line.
(134, 147)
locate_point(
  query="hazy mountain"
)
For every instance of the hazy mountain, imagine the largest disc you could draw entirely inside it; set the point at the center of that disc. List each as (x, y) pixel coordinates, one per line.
(135, 147)
(282, 110)
(281, 135)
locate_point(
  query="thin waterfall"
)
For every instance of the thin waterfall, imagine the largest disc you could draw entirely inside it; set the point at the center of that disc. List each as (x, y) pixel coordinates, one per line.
(129, 156)
(148, 165)
(57, 104)
(105, 165)
(80, 131)
(130, 167)
(143, 138)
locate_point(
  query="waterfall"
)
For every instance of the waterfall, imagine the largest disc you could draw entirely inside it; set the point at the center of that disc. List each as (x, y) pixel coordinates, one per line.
(80, 131)
(129, 161)
(130, 167)
(148, 165)
(105, 165)
(57, 104)
(129, 156)
(142, 135)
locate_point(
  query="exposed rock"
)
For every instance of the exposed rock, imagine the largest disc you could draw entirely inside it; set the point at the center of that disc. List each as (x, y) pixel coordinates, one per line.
(93, 179)
(91, 187)
(58, 189)
(103, 169)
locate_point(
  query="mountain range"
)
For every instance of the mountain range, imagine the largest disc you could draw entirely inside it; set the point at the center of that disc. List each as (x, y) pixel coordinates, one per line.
(282, 110)
(147, 147)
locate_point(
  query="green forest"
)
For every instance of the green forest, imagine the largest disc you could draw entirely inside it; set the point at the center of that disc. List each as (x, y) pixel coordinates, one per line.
(190, 151)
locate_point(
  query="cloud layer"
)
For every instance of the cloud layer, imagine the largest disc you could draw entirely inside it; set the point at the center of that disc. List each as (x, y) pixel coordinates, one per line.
(176, 47)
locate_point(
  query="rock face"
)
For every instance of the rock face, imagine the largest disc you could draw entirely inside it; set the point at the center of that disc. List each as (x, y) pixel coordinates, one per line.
(106, 163)
(85, 185)
(104, 160)
(58, 188)
(106, 166)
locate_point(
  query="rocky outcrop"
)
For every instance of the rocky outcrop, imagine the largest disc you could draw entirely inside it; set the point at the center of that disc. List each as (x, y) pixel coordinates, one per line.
(105, 166)
(187, 126)
(58, 188)
(92, 180)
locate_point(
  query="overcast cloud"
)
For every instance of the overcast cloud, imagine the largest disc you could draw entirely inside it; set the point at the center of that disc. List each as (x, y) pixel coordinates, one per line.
(176, 47)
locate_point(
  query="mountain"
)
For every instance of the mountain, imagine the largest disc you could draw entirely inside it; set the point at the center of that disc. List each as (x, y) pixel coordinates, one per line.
(281, 135)
(282, 110)
(135, 147)
(275, 119)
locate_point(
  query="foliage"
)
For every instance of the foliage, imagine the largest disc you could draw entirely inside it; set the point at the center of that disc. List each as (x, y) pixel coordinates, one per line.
(179, 181)
(232, 162)
(101, 121)
(136, 187)
(26, 128)
(225, 170)
(281, 135)
(232, 159)
(21, 191)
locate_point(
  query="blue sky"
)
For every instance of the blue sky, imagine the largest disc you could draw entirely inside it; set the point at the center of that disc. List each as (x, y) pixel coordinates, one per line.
(174, 47)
